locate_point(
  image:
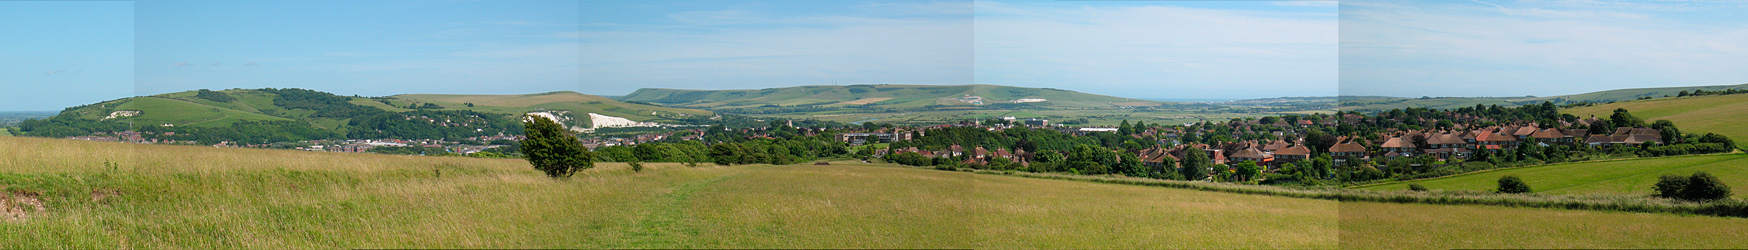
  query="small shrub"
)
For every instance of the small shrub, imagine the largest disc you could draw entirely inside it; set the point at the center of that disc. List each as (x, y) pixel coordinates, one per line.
(1704, 187)
(635, 166)
(1416, 187)
(1669, 186)
(1510, 184)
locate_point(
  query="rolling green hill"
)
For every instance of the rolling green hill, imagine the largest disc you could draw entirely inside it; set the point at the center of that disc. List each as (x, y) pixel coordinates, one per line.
(1633, 176)
(883, 95)
(275, 115)
(562, 100)
(1723, 114)
(1381, 104)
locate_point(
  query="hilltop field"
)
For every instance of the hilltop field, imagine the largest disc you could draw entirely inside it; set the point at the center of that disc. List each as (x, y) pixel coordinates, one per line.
(1722, 114)
(111, 195)
(1631, 176)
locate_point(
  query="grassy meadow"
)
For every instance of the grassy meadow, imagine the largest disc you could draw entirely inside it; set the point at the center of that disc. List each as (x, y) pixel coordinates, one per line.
(1372, 225)
(112, 195)
(1722, 114)
(1631, 176)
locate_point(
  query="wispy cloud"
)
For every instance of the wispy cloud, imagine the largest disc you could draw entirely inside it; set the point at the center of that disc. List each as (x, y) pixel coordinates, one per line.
(1532, 48)
(733, 48)
(1160, 51)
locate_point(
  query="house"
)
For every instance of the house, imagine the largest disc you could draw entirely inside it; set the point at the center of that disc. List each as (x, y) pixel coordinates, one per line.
(1551, 135)
(1342, 152)
(1293, 154)
(1277, 145)
(1494, 141)
(1398, 146)
(1252, 155)
(1524, 132)
(1625, 136)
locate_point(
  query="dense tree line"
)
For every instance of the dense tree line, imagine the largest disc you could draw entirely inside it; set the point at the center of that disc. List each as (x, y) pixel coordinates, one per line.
(67, 125)
(251, 132)
(324, 104)
(410, 150)
(1700, 92)
(778, 151)
(213, 96)
(432, 124)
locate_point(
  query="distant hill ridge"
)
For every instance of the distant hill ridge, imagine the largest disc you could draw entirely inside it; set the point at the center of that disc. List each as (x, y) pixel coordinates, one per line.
(1374, 103)
(886, 95)
(309, 114)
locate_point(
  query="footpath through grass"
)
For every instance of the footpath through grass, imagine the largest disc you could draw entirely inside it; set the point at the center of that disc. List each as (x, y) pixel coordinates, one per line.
(1627, 177)
(157, 196)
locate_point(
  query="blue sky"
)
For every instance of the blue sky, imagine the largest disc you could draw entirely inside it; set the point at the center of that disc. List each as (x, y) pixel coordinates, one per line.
(1539, 47)
(1161, 49)
(369, 48)
(81, 52)
(63, 54)
(1139, 49)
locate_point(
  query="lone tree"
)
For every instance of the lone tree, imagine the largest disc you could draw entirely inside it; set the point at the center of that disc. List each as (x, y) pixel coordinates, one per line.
(1669, 186)
(1195, 165)
(552, 149)
(1704, 187)
(1512, 185)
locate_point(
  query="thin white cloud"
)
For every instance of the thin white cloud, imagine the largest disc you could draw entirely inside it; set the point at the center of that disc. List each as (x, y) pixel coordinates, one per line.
(1508, 50)
(1157, 51)
(745, 49)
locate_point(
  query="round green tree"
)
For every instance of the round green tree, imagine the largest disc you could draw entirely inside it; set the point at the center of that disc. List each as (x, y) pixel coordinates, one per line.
(552, 149)
(1512, 185)
(1704, 187)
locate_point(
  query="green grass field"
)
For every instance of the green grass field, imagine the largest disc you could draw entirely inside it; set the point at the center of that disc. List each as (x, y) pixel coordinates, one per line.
(1371, 225)
(159, 197)
(162, 197)
(1632, 176)
(184, 113)
(1722, 114)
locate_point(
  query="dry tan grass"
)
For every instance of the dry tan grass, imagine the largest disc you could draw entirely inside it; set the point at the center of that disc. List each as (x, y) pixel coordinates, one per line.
(181, 197)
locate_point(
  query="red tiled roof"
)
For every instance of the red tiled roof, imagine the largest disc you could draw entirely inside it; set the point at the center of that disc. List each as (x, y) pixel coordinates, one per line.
(1525, 130)
(1294, 150)
(1347, 147)
(1396, 142)
(1249, 153)
(1277, 145)
(1444, 139)
(1548, 134)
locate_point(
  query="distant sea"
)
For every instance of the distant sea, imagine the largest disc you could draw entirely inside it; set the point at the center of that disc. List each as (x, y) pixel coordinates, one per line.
(1187, 100)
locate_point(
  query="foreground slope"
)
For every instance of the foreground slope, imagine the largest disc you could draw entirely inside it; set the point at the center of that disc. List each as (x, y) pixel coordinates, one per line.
(882, 95)
(1371, 225)
(153, 196)
(1723, 114)
(272, 199)
(1632, 176)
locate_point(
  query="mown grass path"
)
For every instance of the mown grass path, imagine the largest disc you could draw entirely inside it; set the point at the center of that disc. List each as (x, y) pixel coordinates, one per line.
(665, 220)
